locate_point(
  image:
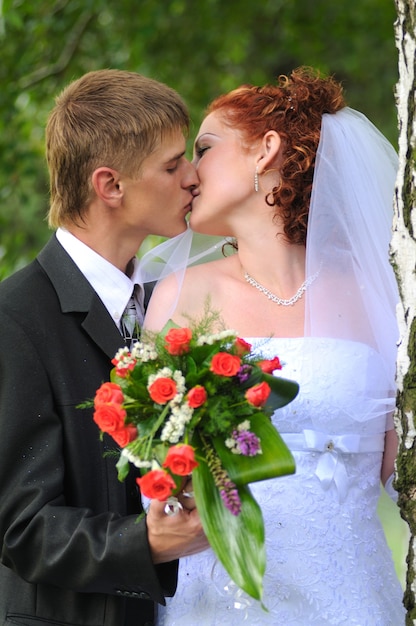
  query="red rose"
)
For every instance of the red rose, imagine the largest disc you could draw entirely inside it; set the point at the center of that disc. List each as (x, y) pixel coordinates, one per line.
(162, 390)
(177, 340)
(125, 435)
(242, 347)
(108, 392)
(109, 417)
(156, 484)
(225, 364)
(180, 460)
(269, 365)
(196, 396)
(258, 394)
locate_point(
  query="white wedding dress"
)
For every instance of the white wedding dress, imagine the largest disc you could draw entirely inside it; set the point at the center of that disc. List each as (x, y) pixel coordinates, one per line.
(327, 558)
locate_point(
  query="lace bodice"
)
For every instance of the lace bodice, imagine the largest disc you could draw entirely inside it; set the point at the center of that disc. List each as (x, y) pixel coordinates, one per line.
(327, 559)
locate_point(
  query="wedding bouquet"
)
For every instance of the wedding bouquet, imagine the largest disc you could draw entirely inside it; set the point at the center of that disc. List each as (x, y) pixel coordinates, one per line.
(187, 401)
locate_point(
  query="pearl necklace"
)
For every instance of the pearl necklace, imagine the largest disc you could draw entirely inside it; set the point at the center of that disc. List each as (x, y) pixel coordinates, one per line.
(282, 301)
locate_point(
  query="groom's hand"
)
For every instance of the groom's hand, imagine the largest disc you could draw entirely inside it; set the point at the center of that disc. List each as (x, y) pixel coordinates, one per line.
(174, 536)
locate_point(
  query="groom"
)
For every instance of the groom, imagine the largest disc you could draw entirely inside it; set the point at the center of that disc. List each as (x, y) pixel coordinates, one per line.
(72, 549)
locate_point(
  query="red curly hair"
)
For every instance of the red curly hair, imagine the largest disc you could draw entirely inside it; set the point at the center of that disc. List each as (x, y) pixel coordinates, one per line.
(294, 109)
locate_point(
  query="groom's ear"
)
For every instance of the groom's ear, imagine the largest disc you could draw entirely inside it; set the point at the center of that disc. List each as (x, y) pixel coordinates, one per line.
(106, 184)
(269, 151)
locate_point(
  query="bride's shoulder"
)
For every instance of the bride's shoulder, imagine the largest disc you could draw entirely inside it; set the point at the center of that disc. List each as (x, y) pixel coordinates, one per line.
(186, 295)
(213, 271)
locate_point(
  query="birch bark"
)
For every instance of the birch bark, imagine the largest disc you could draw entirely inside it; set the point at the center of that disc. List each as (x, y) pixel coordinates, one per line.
(403, 256)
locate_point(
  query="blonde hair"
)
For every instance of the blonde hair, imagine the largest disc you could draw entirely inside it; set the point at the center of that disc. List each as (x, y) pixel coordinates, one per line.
(109, 118)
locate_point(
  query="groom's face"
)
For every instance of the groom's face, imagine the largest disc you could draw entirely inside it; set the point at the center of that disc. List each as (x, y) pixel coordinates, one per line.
(159, 199)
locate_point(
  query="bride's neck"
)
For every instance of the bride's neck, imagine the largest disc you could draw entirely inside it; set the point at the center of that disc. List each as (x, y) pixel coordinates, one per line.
(275, 264)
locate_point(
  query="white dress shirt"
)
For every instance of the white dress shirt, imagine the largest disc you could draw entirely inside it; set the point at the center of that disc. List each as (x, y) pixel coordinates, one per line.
(113, 287)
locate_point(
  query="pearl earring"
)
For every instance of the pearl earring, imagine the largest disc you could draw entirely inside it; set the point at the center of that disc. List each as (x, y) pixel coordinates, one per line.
(256, 180)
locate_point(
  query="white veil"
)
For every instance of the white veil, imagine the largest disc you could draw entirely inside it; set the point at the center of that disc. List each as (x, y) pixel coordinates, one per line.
(349, 231)
(173, 256)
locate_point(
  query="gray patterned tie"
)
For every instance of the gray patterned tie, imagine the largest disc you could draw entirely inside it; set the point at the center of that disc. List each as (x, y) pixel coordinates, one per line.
(129, 323)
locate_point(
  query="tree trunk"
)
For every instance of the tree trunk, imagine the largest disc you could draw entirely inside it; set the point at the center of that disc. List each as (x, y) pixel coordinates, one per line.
(403, 250)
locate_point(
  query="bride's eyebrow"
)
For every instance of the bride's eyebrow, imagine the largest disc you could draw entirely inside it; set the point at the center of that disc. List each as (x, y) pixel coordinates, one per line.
(199, 139)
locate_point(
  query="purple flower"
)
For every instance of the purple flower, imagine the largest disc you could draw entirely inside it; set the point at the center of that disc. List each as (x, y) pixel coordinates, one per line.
(244, 373)
(247, 442)
(230, 497)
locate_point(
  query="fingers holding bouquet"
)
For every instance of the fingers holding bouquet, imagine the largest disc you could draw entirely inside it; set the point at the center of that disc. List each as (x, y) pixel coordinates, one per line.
(174, 536)
(186, 496)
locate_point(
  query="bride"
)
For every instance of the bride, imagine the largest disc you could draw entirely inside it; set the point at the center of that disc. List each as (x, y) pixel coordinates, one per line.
(303, 187)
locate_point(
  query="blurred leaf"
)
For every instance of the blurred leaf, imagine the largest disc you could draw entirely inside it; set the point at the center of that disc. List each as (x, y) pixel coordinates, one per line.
(275, 460)
(237, 540)
(199, 48)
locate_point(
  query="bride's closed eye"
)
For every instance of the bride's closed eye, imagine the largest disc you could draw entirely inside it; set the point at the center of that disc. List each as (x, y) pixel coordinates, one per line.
(199, 150)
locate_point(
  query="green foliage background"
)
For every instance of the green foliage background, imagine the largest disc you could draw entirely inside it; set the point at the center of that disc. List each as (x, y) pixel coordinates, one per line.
(199, 47)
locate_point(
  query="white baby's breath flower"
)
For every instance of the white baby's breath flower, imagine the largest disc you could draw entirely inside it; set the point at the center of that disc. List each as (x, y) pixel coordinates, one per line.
(180, 381)
(164, 372)
(243, 426)
(175, 426)
(171, 433)
(225, 334)
(121, 353)
(210, 339)
(232, 444)
(124, 359)
(139, 463)
(176, 400)
(144, 352)
(183, 412)
(135, 459)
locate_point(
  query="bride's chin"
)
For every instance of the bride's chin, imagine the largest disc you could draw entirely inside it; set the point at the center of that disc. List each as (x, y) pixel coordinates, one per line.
(194, 223)
(204, 227)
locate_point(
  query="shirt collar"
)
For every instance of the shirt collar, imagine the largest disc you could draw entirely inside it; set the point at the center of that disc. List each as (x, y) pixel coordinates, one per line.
(113, 287)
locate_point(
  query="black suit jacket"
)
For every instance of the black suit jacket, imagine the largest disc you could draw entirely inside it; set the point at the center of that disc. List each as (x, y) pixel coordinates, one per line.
(72, 550)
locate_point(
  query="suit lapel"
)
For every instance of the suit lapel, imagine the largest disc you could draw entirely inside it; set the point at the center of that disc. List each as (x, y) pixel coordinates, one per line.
(76, 295)
(101, 328)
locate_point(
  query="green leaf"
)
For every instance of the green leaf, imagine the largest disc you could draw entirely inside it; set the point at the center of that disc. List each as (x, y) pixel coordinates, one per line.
(283, 391)
(123, 468)
(169, 324)
(160, 450)
(237, 540)
(275, 460)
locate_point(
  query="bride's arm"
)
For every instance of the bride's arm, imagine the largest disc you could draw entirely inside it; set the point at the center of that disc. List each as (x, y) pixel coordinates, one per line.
(389, 456)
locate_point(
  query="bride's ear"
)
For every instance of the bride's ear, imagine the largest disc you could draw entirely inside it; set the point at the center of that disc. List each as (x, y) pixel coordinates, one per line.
(269, 151)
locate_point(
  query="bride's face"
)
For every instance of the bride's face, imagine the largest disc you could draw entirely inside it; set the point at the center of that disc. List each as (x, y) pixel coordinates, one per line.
(226, 173)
